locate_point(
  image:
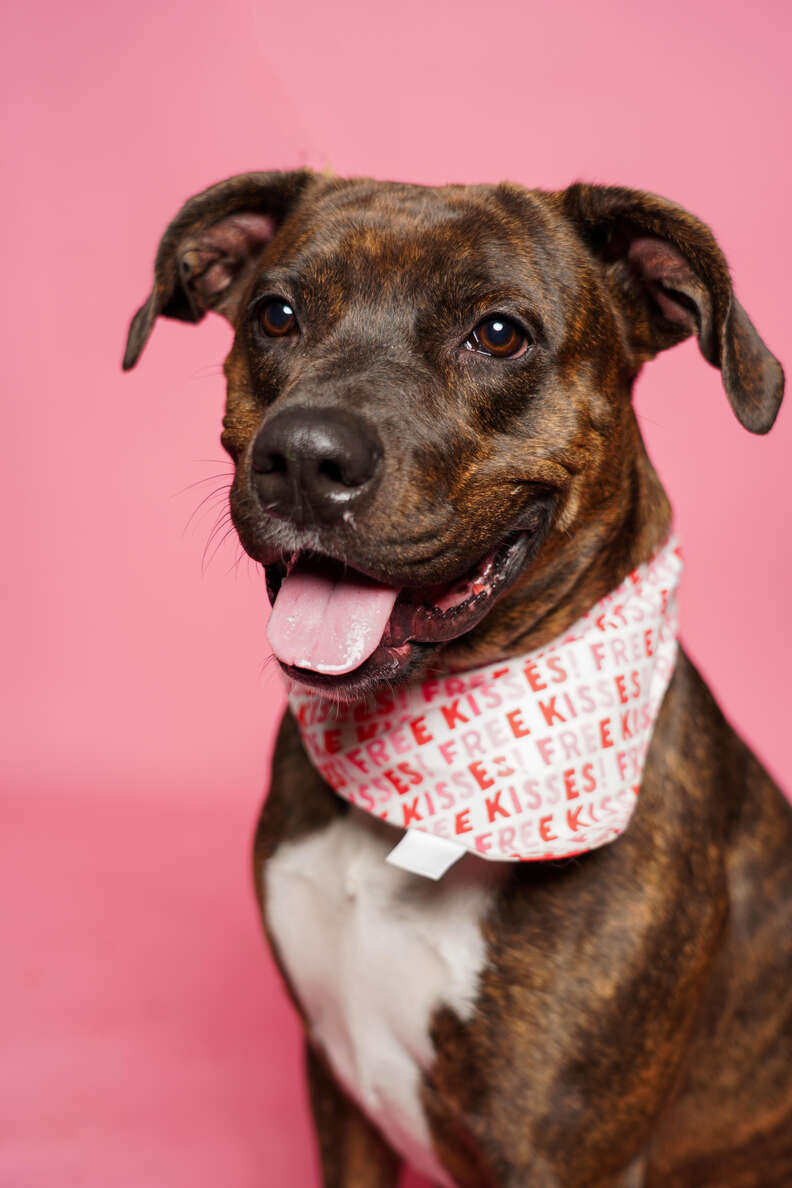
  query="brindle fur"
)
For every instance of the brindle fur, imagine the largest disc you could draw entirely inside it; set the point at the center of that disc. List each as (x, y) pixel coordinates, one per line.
(671, 949)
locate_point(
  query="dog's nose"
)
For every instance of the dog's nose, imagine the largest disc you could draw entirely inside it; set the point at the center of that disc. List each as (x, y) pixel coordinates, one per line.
(314, 463)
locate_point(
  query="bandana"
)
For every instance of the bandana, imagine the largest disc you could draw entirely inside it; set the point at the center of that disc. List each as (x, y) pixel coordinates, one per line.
(536, 757)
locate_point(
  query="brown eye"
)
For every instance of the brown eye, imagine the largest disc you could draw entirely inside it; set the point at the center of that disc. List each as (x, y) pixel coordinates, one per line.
(276, 318)
(498, 336)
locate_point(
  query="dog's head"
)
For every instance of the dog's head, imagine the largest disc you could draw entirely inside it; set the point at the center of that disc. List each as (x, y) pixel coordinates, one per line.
(429, 400)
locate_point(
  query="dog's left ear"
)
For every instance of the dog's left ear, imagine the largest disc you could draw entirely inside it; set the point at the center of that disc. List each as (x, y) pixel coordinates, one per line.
(206, 253)
(670, 279)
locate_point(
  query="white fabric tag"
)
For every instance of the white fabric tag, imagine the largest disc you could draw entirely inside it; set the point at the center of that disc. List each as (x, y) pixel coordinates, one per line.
(425, 854)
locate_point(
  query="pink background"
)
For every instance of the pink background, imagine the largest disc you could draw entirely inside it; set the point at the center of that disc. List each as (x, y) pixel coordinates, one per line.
(147, 1040)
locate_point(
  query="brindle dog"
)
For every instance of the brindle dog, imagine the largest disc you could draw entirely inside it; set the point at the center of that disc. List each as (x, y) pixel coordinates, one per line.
(421, 376)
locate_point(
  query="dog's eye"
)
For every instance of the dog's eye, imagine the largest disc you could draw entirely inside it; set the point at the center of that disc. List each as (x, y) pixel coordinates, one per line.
(498, 336)
(276, 318)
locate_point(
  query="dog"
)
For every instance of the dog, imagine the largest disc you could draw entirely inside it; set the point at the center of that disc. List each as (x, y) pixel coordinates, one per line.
(436, 457)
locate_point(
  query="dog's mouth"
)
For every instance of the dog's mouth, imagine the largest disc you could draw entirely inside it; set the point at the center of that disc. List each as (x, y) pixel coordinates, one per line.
(339, 631)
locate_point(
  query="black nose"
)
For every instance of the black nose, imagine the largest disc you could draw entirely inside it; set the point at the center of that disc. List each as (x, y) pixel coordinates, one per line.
(314, 464)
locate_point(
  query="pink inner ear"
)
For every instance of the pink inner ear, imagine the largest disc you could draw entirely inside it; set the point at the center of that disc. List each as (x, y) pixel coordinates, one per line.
(240, 235)
(219, 254)
(664, 268)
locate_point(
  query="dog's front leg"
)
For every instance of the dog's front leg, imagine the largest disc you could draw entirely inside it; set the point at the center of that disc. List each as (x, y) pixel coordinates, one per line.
(353, 1154)
(301, 805)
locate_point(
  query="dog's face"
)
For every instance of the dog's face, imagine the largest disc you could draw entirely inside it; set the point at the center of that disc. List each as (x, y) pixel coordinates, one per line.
(429, 397)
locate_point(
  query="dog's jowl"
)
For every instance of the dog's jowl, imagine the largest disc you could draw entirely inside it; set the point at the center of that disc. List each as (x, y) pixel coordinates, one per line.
(530, 893)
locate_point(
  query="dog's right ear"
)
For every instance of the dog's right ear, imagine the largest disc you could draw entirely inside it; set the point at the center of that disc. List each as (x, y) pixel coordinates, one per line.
(206, 255)
(671, 280)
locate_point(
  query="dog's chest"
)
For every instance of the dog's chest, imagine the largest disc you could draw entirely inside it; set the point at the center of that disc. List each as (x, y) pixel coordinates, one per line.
(371, 952)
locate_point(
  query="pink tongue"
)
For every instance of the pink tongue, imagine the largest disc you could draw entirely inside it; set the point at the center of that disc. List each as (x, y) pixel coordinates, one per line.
(327, 624)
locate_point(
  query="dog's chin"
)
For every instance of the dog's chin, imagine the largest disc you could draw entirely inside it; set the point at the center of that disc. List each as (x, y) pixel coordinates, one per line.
(385, 666)
(423, 619)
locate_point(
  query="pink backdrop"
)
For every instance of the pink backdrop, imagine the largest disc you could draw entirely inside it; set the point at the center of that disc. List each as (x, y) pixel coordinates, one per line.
(147, 1039)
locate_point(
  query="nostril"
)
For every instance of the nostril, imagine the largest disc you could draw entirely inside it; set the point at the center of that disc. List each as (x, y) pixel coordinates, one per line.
(270, 464)
(330, 469)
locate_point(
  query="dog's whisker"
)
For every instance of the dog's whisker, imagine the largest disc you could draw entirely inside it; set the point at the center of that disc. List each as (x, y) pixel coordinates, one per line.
(219, 494)
(268, 665)
(217, 547)
(234, 566)
(207, 371)
(649, 421)
(223, 522)
(201, 481)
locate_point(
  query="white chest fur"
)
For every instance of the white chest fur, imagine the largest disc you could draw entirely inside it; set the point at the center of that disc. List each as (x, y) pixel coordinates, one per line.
(372, 951)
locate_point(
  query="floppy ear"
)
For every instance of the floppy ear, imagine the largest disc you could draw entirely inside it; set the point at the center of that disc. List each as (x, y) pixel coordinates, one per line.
(671, 280)
(207, 253)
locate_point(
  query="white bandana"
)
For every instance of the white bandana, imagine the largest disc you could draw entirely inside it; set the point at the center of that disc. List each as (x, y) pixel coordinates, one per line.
(536, 757)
